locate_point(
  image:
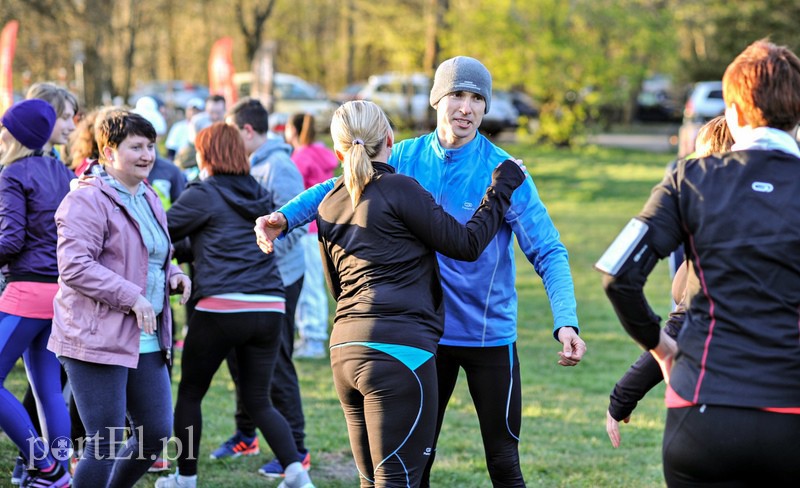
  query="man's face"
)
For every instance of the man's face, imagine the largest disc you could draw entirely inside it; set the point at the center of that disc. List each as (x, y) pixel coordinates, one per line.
(215, 110)
(458, 116)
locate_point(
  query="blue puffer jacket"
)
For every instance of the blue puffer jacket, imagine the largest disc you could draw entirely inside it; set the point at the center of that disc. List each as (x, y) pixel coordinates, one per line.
(30, 191)
(480, 298)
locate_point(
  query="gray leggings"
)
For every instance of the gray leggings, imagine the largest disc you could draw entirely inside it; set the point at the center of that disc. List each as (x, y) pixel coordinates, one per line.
(103, 394)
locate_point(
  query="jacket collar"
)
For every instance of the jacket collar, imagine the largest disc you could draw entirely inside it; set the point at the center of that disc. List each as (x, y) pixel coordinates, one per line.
(381, 168)
(461, 154)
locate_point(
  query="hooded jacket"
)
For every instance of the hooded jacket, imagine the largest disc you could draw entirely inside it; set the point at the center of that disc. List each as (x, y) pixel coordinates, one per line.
(218, 214)
(274, 170)
(102, 264)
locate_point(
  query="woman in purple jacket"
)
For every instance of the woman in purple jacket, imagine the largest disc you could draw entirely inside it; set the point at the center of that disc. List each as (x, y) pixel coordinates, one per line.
(112, 328)
(31, 188)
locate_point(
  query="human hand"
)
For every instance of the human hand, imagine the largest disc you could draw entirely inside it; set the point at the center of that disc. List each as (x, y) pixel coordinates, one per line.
(612, 427)
(145, 315)
(573, 347)
(268, 228)
(180, 283)
(664, 353)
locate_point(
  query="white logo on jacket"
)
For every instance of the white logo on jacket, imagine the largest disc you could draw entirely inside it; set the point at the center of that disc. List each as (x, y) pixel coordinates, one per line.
(762, 187)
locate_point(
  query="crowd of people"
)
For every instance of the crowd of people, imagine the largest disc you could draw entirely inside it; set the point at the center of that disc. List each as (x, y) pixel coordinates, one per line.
(101, 238)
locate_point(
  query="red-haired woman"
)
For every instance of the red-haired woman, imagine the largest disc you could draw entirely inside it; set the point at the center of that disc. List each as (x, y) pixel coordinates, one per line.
(240, 300)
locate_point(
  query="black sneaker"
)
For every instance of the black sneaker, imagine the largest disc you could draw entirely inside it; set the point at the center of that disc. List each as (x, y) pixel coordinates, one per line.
(58, 477)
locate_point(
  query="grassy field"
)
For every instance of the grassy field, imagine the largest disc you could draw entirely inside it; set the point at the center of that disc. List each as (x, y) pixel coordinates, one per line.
(590, 193)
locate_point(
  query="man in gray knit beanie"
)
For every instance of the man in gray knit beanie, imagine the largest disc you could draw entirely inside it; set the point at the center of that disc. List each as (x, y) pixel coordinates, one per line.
(462, 73)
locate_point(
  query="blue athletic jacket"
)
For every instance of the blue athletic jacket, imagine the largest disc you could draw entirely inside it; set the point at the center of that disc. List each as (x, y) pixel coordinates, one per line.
(480, 298)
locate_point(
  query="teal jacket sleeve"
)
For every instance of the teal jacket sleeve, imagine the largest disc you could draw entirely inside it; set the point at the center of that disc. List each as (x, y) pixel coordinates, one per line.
(302, 209)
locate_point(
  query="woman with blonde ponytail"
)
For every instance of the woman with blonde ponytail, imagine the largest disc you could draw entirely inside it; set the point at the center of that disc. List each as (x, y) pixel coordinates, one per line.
(356, 151)
(379, 234)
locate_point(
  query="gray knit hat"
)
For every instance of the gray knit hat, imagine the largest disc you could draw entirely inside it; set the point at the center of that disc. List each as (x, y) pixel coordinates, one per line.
(462, 74)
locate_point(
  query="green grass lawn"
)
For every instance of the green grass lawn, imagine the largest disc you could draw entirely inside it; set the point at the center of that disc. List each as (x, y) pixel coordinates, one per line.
(590, 193)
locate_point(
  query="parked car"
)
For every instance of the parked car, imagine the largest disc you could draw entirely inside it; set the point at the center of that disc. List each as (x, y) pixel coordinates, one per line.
(704, 103)
(659, 100)
(524, 104)
(404, 98)
(350, 92)
(502, 114)
(293, 94)
(173, 93)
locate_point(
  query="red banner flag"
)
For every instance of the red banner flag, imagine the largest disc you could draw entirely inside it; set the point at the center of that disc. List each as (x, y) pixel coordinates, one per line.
(8, 44)
(220, 70)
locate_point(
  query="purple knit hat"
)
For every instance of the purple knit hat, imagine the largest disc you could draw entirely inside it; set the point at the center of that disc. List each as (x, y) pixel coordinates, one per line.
(30, 122)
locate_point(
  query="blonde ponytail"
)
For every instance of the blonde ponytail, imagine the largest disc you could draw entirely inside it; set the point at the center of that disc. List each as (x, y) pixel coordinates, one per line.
(357, 171)
(359, 130)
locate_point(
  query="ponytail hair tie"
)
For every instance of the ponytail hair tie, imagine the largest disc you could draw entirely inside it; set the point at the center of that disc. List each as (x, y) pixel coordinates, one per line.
(358, 141)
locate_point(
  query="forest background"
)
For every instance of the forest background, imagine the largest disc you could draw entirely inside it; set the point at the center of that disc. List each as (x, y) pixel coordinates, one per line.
(581, 60)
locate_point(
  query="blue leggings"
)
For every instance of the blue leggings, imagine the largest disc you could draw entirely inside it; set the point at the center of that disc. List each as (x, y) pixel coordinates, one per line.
(20, 336)
(103, 394)
(389, 398)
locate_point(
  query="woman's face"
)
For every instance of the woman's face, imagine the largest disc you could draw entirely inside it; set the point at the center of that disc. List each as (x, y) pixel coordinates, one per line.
(289, 133)
(64, 126)
(130, 163)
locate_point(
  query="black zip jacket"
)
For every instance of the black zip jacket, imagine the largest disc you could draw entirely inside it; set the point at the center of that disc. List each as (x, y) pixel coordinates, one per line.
(380, 259)
(738, 218)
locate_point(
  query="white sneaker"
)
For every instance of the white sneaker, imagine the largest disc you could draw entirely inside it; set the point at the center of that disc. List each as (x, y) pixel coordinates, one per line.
(177, 481)
(296, 477)
(310, 349)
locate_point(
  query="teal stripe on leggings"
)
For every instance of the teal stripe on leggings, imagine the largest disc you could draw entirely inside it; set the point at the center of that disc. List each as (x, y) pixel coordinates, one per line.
(411, 357)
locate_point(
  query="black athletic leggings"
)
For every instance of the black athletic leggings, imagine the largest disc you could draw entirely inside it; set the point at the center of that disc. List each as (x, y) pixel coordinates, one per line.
(285, 390)
(707, 445)
(255, 336)
(494, 384)
(388, 395)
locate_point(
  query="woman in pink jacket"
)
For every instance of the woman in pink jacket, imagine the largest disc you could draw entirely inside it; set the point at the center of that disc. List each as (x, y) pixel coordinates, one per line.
(112, 328)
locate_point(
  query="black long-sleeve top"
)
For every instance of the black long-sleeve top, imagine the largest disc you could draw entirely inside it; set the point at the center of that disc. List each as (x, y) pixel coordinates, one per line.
(642, 376)
(380, 258)
(739, 218)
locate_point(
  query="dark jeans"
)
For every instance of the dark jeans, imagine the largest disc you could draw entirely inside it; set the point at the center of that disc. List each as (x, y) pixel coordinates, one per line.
(494, 384)
(254, 336)
(103, 394)
(285, 391)
(708, 445)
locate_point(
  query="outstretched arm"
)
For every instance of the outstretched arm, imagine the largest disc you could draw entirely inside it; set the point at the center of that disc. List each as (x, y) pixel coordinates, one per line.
(298, 211)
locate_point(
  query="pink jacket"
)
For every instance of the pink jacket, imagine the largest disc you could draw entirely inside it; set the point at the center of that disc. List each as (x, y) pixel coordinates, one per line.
(316, 163)
(102, 264)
